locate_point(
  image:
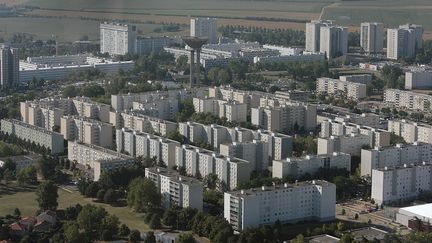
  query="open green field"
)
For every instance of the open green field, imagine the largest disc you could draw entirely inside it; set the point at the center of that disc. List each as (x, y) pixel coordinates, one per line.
(25, 200)
(66, 29)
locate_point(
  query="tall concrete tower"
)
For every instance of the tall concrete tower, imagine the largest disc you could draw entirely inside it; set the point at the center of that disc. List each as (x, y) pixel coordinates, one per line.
(194, 44)
(9, 67)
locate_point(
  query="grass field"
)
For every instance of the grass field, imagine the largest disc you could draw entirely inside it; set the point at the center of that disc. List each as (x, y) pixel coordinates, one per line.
(66, 29)
(25, 200)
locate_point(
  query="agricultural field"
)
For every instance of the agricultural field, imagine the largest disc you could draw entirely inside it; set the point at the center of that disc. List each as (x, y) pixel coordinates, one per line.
(66, 29)
(12, 197)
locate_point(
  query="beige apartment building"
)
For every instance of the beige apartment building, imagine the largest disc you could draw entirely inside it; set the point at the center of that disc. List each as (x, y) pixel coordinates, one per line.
(87, 131)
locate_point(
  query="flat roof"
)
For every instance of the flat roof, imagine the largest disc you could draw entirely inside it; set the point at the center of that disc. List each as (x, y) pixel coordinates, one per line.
(323, 239)
(370, 233)
(424, 210)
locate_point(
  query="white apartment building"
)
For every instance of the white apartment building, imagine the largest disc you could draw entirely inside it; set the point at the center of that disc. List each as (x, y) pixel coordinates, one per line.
(124, 102)
(87, 131)
(333, 41)
(231, 110)
(313, 31)
(418, 79)
(146, 45)
(401, 43)
(357, 78)
(137, 144)
(251, 98)
(176, 190)
(97, 159)
(163, 108)
(418, 33)
(364, 119)
(348, 143)
(394, 156)
(304, 57)
(117, 39)
(204, 27)
(137, 121)
(279, 145)
(351, 90)
(297, 167)
(284, 117)
(62, 67)
(255, 152)
(40, 136)
(288, 203)
(197, 161)
(378, 137)
(411, 131)
(372, 37)
(408, 100)
(401, 183)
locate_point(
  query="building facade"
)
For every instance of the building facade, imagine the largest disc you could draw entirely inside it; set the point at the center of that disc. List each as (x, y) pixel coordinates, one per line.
(408, 100)
(297, 167)
(401, 183)
(313, 31)
(87, 131)
(411, 131)
(418, 79)
(117, 39)
(288, 203)
(176, 190)
(52, 141)
(351, 90)
(372, 37)
(401, 43)
(394, 156)
(9, 67)
(204, 27)
(333, 41)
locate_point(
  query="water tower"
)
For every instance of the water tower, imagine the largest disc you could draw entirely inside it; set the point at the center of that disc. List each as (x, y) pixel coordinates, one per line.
(194, 44)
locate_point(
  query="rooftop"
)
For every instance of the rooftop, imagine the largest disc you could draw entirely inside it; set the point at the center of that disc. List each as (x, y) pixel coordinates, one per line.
(424, 210)
(370, 233)
(174, 175)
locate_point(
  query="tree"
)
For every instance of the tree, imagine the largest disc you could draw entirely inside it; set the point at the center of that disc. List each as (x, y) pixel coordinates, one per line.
(110, 196)
(124, 230)
(109, 227)
(91, 218)
(27, 175)
(134, 236)
(46, 167)
(72, 233)
(343, 211)
(185, 238)
(100, 194)
(150, 238)
(155, 222)
(92, 190)
(356, 216)
(17, 212)
(47, 195)
(299, 239)
(143, 194)
(340, 226)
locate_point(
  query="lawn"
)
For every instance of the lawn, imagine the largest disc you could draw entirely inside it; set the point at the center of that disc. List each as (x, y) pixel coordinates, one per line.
(25, 200)
(66, 29)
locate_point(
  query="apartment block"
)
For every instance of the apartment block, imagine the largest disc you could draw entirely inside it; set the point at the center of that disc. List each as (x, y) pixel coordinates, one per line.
(284, 117)
(394, 156)
(87, 131)
(288, 203)
(204, 27)
(41, 115)
(351, 90)
(124, 102)
(408, 100)
(251, 98)
(176, 190)
(313, 34)
(255, 152)
(96, 160)
(137, 121)
(377, 137)
(358, 78)
(401, 43)
(146, 45)
(418, 33)
(350, 144)
(137, 144)
(411, 131)
(418, 79)
(297, 167)
(9, 67)
(197, 161)
(372, 37)
(231, 110)
(163, 108)
(50, 140)
(333, 41)
(401, 183)
(117, 39)
(279, 145)
(364, 119)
